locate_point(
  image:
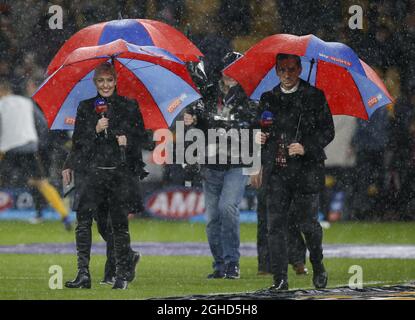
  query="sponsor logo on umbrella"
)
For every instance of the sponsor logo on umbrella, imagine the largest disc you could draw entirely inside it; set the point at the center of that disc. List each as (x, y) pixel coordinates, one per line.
(176, 103)
(338, 60)
(70, 120)
(374, 100)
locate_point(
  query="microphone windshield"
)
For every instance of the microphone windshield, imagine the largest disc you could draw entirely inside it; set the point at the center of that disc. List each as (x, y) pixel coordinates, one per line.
(100, 106)
(267, 119)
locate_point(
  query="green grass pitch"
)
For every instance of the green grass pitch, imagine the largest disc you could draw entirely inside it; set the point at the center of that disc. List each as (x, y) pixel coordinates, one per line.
(26, 276)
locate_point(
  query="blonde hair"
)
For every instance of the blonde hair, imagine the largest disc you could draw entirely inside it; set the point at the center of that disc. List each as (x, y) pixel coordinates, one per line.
(106, 67)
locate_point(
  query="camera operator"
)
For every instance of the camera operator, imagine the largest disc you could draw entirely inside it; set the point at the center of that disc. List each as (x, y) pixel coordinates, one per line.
(226, 107)
(184, 173)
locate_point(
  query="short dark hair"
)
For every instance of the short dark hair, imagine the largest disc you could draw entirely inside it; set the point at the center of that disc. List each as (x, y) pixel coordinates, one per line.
(284, 56)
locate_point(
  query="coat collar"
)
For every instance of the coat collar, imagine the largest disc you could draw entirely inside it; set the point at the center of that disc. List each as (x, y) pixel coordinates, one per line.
(302, 86)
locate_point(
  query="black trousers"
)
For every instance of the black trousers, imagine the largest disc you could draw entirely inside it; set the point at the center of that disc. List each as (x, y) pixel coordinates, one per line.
(105, 189)
(295, 241)
(104, 226)
(281, 196)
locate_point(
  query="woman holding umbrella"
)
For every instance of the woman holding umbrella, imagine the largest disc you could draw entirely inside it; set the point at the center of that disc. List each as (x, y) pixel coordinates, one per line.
(105, 153)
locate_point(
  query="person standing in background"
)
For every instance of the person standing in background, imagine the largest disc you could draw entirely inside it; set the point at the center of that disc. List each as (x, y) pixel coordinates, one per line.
(19, 144)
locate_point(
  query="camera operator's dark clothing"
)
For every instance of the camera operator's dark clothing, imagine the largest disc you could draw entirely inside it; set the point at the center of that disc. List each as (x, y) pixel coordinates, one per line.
(102, 179)
(228, 111)
(303, 117)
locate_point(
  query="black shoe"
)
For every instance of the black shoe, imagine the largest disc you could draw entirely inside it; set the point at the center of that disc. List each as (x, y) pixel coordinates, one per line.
(232, 271)
(67, 224)
(108, 280)
(135, 259)
(216, 275)
(120, 284)
(320, 277)
(263, 273)
(82, 280)
(280, 285)
(320, 280)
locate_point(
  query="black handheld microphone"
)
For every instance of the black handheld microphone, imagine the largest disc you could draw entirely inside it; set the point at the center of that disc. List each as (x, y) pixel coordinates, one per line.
(101, 108)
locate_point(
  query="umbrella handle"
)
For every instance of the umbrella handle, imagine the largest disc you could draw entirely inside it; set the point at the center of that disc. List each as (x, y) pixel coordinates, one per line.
(298, 127)
(311, 68)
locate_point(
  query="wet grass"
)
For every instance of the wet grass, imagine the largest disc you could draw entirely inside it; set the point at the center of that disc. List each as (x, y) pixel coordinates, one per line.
(27, 277)
(18, 232)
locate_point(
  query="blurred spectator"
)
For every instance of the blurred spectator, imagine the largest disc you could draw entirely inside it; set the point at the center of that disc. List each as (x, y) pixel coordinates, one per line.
(264, 21)
(131, 9)
(340, 165)
(368, 144)
(54, 145)
(235, 17)
(214, 45)
(19, 144)
(407, 61)
(200, 15)
(170, 11)
(402, 149)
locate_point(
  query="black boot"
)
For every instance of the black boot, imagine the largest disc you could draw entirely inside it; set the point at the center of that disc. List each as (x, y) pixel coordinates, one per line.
(108, 279)
(109, 273)
(320, 276)
(279, 285)
(133, 264)
(82, 280)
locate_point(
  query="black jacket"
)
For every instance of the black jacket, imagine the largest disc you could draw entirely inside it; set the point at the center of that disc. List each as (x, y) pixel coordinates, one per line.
(310, 120)
(236, 113)
(87, 146)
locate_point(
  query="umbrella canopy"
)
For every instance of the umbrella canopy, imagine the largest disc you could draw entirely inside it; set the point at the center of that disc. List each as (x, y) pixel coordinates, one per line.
(350, 85)
(142, 32)
(158, 80)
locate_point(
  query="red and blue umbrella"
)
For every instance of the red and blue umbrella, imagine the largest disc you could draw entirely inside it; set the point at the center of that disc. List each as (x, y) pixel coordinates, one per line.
(351, 87)
(142, 32)
(157, 79)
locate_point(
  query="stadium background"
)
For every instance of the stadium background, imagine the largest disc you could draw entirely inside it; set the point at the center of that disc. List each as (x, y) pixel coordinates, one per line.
(376, 215)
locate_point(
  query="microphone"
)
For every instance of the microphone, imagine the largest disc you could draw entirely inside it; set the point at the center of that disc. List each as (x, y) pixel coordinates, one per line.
(267, 120)
(101, 108)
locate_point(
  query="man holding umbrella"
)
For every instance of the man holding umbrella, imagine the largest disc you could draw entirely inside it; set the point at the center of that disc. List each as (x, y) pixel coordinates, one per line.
(293, 157)
(106, 153)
